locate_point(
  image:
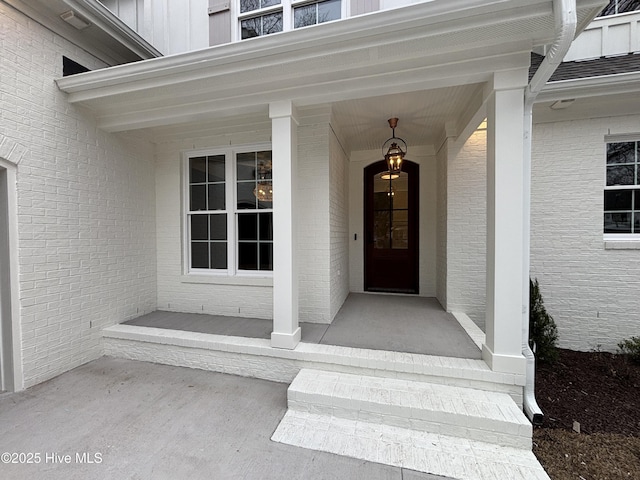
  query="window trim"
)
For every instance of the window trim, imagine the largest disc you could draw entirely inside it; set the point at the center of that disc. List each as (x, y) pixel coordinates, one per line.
(231, 210)
(615, 13)
(303, 3)
(286, 7)
(619, 237)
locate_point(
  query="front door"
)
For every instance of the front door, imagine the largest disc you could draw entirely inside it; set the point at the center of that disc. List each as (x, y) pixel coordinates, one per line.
(391, 229)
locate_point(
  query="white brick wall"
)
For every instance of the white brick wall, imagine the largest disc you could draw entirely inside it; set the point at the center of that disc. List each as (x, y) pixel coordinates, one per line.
(428, 218)
(86, 222)
(442, 160)
(179, 293)
(591, 292)
(254, 357)
(466, 229)
(314, 248)
(183, 293)
(338, 224)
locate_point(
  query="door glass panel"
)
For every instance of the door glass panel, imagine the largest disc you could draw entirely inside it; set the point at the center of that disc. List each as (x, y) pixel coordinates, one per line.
(381, 229)
(400, 230)
(391, 212)
(400, 192)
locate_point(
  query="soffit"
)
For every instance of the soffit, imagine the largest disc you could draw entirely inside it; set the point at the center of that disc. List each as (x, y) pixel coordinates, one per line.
(425, 46)
(594, 97)
(107, 37)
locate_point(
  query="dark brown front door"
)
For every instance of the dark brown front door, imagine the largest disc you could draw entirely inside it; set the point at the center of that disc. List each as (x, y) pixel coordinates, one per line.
(391, 229)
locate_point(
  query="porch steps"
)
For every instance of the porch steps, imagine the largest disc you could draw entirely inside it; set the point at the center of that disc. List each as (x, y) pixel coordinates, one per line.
(457, 432)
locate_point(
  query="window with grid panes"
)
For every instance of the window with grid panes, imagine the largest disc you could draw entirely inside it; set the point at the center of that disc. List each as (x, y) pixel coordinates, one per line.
(207, 217)
(315, 13)
(263, 17)
(620, 6)
(254, 211)
(622, 190)
(260, 17)
(229, 215)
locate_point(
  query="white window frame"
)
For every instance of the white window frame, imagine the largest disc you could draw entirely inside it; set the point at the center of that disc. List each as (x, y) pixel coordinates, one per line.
(231, 210)
(616, 12)
(302, 3)
(286, 7)
(623, 138)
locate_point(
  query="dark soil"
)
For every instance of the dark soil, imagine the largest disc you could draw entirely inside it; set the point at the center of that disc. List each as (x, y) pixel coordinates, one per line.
(598, 394)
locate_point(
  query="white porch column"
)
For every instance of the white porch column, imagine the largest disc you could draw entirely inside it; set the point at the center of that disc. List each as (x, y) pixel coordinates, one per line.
(505, 127)
(286, 332)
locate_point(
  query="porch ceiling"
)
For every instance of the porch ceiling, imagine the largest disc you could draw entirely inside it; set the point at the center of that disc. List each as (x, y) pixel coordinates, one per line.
(376, 57)
(363, 122)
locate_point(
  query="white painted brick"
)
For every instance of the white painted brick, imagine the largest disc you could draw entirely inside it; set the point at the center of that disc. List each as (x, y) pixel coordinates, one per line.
(466, 229)
(320, 225)
(591, 292)
(421, 451)
(86, 198)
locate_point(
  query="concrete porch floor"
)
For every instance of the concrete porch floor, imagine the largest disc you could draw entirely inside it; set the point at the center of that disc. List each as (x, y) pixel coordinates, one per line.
(380, 322)
(141, 420)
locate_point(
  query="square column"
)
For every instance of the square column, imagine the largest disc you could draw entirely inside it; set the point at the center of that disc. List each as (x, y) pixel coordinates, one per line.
(284, 126)
(505, 142)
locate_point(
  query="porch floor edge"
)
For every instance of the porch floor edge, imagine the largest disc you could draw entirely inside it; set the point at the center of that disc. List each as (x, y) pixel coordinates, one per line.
(255, 357)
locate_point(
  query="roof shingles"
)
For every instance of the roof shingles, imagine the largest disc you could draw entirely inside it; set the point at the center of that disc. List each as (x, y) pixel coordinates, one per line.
(590, 68)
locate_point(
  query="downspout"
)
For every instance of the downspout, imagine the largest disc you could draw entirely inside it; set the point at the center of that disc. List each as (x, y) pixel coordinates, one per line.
(564, 12)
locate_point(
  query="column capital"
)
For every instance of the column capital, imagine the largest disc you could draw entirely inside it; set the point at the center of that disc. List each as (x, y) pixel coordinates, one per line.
(283, 109)
(509, 79)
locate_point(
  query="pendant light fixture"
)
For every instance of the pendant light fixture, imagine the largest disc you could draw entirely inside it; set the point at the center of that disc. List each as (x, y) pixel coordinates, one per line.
(394, 151)
(264, 188)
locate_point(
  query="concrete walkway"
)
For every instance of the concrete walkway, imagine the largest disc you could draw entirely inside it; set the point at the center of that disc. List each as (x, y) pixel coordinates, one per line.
(135, 420)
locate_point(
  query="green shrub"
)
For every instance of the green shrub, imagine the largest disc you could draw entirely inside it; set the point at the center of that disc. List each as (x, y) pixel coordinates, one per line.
(543, 333)
(631, 348)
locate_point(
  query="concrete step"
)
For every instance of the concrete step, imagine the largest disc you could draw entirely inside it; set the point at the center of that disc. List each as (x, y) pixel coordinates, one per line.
(488, 417)
(437, 454)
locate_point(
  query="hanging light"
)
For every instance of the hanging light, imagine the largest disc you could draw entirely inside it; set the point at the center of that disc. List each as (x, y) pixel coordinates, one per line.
(391, 192)
(394, 151)
(264, 189)
(263, 192)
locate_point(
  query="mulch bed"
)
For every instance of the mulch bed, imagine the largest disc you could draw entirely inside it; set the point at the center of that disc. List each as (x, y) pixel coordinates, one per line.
(601, 392)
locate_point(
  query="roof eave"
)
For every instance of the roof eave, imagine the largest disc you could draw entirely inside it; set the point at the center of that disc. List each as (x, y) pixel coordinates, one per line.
(104, 19)
(590, 87)
(365, 30)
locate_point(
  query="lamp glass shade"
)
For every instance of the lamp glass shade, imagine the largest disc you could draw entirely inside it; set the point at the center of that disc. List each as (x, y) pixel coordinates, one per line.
(394, 158)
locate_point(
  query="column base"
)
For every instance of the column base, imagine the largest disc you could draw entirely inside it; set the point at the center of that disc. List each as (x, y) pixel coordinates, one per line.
(514, 364)
(288, 341)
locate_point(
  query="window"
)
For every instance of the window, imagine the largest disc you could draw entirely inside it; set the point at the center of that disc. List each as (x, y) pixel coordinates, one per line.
(622, 190)
(268, 20)
(620, 6)
(229, 215)
(263, 17)
(315, 13)
(255, 227)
